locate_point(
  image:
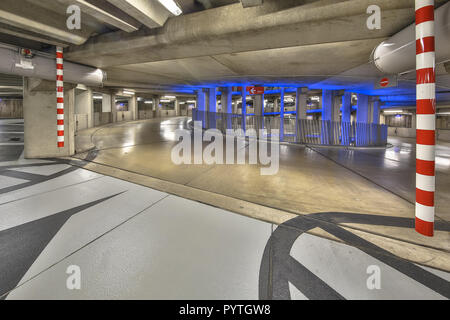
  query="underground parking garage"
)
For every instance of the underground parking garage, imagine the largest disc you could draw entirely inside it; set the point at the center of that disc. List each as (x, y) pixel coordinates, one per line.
(224, 150)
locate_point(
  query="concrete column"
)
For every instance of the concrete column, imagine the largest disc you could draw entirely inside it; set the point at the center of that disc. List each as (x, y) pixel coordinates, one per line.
(177, 107)
(330, 109)
(301, 103)
(133, 107)
(300, 111)
(376, 111)
(363, 112)
(375, 119)
(106, 103)
(282, 114)
(39, 106)
(263, 110)
(227, 106)
(346, 107)
(84, 105)
(276, 107)
(258, 106)
(244, 107)
(212, 100)
(156, 108)
(212, 107)
(337, 100)
(113, 108)
(362, 117)
(201, 107)
(226, 100)
(201, 100)
(346, 118)
(235, 107)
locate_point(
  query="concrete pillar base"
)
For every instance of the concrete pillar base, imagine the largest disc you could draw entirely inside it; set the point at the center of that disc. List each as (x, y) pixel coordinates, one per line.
(39, 102)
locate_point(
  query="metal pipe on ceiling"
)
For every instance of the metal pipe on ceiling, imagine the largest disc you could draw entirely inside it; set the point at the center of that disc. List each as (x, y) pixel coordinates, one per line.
(398, 54)
(42, 66)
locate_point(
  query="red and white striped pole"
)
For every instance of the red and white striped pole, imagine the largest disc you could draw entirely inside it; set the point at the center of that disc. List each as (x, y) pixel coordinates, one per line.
(426, 117)
(60, 96)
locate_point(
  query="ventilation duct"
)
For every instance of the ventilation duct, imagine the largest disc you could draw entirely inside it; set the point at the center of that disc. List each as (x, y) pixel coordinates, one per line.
(44, 67)
(398, 54)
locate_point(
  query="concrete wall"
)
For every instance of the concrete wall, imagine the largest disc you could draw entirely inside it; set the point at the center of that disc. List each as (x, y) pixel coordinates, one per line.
(81, 121)
(166, 113)
(84, 106)
(124, 116)
(441, 134)
(145, 114)
(402, 132)
(11, 108)
(102, 118)
(39, 106)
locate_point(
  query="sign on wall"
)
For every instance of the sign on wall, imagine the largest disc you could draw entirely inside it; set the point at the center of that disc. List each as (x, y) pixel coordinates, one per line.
(386, 82)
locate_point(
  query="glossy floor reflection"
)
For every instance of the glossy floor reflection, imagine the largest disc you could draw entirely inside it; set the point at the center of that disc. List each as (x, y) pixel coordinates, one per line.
(394, 169)
(309, 180)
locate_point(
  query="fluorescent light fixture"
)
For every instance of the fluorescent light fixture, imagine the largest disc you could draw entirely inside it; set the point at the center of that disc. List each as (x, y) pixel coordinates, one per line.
(148, 102)
(140, 99)
(171, 6)
(128, 92)
(169, 97)
(443, 113)
(393, 111)
(98, 97)
(164, 100)
(315, 98)
(182, 102)
(191, 101)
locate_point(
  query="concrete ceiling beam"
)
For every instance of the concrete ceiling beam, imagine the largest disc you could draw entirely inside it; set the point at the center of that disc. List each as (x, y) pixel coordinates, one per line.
(16, 32)
(232, 29)
(106, 13)
(150, 13)
(36, 19)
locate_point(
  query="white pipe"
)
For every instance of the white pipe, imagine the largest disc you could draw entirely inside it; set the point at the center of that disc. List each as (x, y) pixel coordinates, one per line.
(11, 62)
(397, 54)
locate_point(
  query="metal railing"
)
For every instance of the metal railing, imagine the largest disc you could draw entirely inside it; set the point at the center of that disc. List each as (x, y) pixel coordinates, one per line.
(303, 131)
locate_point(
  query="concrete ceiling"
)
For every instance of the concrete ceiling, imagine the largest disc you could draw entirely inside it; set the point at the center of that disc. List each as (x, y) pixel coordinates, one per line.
(266, 65)
(314, 43)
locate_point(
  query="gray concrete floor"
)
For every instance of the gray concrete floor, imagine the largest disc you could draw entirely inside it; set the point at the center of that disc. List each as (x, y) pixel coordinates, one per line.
(11, 139)
(310, 180)
(133, 242)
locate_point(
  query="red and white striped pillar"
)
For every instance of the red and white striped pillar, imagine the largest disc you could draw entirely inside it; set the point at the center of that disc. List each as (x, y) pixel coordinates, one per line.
(426, 117)
(60, 96)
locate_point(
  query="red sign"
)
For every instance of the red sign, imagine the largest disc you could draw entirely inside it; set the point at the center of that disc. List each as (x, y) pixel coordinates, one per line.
(384, 82)
(255, 90)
